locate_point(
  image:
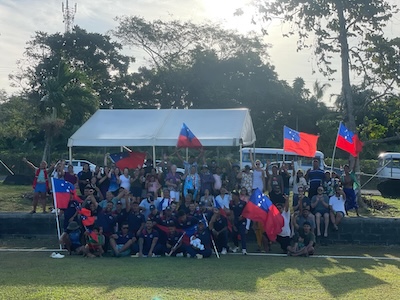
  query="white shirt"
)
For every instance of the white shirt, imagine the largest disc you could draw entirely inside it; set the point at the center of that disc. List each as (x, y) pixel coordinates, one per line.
(258, 180)
(337, 203)
(125, 182)
(286, 224)
(302, 183)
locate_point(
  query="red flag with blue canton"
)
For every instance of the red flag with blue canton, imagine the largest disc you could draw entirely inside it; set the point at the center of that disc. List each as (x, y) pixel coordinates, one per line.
(348, 141)
(62, 192)
(187, 139)
(130, 160)
(303, 144)
(261, 209)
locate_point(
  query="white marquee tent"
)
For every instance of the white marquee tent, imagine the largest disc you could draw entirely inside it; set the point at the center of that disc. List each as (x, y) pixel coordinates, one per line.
(161, 127)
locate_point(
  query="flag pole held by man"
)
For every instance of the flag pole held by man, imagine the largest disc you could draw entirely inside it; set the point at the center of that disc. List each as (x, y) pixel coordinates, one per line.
(261, 209)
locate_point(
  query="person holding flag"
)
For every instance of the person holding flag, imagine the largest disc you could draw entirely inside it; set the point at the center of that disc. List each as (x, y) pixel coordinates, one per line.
(203, 235)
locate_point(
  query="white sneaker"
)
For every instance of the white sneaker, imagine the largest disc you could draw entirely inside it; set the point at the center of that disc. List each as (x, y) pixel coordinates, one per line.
(235, 249)
(179, 255)
(199, 256)
(223, 251)
(244, 252)
(57, 255)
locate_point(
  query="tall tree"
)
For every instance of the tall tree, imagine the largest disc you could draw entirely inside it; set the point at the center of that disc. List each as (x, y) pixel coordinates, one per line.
(333, 23)
(93, 54)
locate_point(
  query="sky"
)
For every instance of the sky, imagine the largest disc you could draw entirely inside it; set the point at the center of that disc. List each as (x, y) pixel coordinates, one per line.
(19, 19)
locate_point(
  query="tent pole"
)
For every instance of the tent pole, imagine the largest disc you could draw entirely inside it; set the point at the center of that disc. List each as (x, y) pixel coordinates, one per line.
(241, 156)
(154, 157)
(70, 155)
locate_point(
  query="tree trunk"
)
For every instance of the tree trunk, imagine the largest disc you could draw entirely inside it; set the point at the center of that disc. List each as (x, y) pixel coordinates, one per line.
(346, 87)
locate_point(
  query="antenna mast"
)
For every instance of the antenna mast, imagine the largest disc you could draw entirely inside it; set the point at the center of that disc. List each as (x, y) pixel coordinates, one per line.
(69, 15)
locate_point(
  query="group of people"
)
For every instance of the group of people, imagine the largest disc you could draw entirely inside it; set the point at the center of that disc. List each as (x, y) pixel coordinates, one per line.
(157, 211)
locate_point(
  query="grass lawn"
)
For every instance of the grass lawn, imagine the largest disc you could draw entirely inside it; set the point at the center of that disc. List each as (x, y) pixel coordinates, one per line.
(36, 276)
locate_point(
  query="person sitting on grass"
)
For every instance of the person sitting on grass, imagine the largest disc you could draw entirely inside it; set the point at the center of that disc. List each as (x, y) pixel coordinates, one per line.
(337, 207)
(148, 242)
(71, 239)
(95, 242)
(122, 242)
(174, 246)
(40, 184)
(204, 236)
(303, 242)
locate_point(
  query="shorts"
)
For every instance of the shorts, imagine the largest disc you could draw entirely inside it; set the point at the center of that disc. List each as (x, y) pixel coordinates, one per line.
(339, 212)
(126, 252)
(41, 187)
(322, 212)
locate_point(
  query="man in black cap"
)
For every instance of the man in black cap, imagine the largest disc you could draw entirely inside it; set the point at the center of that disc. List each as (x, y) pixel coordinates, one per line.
(203, 250)
(72, 239)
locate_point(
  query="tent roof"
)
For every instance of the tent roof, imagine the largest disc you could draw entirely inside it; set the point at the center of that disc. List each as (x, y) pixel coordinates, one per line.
(161, 127)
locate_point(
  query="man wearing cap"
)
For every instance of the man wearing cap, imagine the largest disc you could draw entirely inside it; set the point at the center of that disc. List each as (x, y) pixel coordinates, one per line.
(154, 215)
(240, 224)
(122, 241)
(203, 234)
(304, 242)
(71, 239)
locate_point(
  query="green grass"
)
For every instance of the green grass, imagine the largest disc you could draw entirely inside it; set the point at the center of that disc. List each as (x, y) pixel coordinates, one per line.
(11, 197)
(36, 276)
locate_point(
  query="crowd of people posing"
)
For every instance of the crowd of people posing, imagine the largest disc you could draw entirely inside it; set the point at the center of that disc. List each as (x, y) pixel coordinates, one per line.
(156, 211)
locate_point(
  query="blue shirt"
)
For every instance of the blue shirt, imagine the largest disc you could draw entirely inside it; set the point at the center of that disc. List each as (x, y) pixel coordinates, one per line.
(148, 238)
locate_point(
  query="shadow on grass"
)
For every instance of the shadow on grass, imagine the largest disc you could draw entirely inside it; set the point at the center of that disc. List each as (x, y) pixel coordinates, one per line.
(230, 273)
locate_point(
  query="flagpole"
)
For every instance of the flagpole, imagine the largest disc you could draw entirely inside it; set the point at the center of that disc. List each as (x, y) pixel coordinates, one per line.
(57, 216)
(334, 148)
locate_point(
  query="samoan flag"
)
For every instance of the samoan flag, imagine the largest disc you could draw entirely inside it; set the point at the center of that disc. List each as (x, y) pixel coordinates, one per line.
(348, 141)
(261, 209)
(86, 216)
(301, 143)
(187, 139)
(130, 160)
(62, 191)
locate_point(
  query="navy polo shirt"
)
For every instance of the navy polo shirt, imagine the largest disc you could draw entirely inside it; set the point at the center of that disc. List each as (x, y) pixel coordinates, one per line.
(135, 220)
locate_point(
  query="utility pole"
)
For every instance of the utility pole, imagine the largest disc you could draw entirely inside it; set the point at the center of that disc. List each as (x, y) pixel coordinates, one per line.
(69, 15)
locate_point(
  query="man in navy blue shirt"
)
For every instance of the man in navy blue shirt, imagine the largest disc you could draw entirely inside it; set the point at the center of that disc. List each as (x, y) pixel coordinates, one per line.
(135, 220)
(106, 221)
(315, 177)
(184, 221)
(219, 228)
(122, 241)
(203, 235)
(174, 242)
(239, 222)
(148, 238)
(121, 214)
(70, 213)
